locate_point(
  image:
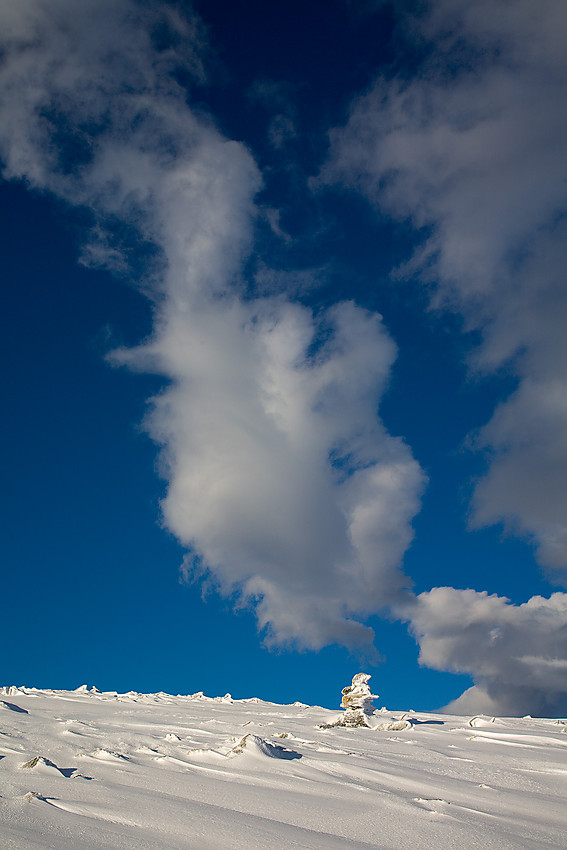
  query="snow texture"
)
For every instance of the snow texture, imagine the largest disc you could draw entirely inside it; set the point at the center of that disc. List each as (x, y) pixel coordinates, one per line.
(86, 769)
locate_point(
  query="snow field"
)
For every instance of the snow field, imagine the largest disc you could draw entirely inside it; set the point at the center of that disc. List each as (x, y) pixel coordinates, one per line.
(85, 769)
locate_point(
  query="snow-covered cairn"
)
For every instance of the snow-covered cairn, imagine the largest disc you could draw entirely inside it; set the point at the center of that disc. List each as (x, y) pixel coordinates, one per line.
(359, 709)
(357, 697)
(358, 703)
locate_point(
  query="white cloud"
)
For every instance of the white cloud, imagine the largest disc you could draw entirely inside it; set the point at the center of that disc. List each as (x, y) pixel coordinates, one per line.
(473, 152)
(281, 477)
(516, 654)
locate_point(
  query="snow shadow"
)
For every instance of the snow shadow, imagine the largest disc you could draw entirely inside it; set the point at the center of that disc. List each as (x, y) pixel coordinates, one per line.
(13, 707)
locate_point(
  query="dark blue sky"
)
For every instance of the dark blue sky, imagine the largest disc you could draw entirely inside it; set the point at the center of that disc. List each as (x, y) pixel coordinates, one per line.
(317, 97)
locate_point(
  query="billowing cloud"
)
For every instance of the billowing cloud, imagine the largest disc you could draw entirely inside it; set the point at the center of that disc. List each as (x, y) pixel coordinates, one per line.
(516, 654)
(472, 152)
(282, 480)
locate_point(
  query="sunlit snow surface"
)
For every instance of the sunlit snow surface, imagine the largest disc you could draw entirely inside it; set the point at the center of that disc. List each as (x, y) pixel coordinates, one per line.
(84, 769)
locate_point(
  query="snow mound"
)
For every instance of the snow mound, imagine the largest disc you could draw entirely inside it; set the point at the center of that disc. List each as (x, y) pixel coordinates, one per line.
(34, 795)
(392, 726)
(356, 719)
(10, 706)
(350, 719)
(107, 755)
(479, 721)
(39, 760)
(199, 754)
(44, 766)
(254, 745)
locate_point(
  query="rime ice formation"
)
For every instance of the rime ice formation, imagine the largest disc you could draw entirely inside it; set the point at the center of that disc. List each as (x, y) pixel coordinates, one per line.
(358, 703)
(357, 696)
(359, 709)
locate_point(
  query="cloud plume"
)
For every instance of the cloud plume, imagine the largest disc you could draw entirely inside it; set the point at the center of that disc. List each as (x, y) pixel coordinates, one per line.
(282, 481)
(281, 477)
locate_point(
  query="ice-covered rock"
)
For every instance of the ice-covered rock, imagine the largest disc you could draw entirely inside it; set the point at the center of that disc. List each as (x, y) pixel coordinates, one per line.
(11, 691)
(44, 766)
(358, 696)
(358, 703)
(38, 760)
(227, 698)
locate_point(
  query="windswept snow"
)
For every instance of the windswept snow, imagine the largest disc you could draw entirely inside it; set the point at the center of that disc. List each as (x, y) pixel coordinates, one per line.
(85, 769)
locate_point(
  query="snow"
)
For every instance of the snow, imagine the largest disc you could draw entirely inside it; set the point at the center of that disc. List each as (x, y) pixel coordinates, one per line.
(86, 769)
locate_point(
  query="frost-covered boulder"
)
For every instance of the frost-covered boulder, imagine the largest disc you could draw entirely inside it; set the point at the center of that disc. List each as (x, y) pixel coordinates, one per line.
(358, 697)
(358, 703)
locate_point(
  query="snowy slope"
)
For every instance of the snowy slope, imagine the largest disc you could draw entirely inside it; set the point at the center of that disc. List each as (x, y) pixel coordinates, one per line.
(84, 769)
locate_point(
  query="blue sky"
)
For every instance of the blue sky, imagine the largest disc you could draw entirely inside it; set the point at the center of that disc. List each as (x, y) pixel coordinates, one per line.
(284, 344)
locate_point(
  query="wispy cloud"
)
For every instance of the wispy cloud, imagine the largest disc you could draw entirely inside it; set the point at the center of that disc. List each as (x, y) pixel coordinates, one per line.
(282, 480)
(472, 153)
